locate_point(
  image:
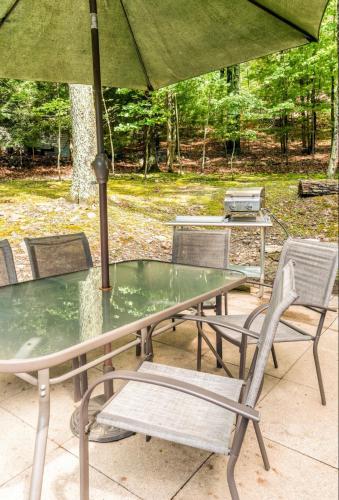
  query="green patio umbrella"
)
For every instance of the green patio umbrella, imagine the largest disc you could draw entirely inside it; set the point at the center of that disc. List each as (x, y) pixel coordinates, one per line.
(144, 44)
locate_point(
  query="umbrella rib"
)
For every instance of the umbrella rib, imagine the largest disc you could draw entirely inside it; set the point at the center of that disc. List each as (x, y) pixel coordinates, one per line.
(9, 12)
(307, 35)
(141, 61)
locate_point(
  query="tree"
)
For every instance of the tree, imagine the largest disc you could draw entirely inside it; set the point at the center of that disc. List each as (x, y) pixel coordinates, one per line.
(83, 142)
(171, 130)
(334, 158)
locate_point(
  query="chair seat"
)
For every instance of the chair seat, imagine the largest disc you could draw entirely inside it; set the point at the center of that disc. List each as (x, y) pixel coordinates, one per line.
(284, 333)
(172, 415)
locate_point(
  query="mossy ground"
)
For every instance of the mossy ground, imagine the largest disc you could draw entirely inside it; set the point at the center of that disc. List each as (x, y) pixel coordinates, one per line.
(138, 210)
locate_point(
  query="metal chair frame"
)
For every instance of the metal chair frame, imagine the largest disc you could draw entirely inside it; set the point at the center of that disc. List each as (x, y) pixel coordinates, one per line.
(80, 382)
(6, 250)
(52, 241)
(244, 409)
(330, 254)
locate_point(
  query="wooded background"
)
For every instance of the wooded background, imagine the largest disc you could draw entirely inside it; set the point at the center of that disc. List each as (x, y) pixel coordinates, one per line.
(289, 98)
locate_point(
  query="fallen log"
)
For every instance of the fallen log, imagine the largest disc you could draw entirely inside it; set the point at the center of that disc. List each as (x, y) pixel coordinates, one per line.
(317, 188)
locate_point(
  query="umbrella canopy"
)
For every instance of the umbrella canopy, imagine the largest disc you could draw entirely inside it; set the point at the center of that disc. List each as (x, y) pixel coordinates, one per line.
(147, 43)
(144, 44)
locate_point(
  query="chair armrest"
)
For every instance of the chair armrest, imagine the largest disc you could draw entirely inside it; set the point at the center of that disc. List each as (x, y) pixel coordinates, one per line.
(210, 320)
(256, 312)
(177, 385)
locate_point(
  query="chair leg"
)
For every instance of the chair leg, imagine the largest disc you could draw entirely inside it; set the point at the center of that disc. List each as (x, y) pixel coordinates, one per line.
(83, 375)
(242, 362)
(318, 370)
(199, 350)
(230, 477)
(274, 356)
(234, 454)
(218, 311)
(76, 381)
(138, 347)
(261, 445)
(226, 304)
(84, 465)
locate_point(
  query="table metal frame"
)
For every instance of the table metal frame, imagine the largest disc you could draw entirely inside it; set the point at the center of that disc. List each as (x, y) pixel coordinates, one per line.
(262, 223)
(43, 381)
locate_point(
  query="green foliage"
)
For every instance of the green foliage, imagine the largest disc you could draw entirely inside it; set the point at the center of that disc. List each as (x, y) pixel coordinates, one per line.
(31, 113)
(289, 95)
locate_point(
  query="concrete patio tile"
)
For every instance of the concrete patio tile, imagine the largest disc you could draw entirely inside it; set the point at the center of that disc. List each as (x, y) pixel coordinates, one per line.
(163, 353)
(154, 470)
(184, 337)
(25, 406)
(61, 482)
(334, 325)
(16, 446)
(10, 385)
(292, 415)
(303, 372)
(303, 315)
(208, 365)
(293, 476)
(244, 302)
(287, 354)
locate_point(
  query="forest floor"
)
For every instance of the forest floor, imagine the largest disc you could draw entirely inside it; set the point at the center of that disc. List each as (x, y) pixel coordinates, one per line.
(36, 204)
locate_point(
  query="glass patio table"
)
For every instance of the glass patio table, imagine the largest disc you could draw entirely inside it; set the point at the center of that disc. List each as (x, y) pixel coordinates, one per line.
(46, 322)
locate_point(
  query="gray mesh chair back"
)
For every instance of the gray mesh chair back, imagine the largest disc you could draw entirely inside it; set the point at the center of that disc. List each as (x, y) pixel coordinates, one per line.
(201, 248)
(315, 269)
(55, 255)
(7, 267)
(284, 294)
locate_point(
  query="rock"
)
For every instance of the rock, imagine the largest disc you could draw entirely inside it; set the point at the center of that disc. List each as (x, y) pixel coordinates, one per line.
(15, 217)
(273, 248)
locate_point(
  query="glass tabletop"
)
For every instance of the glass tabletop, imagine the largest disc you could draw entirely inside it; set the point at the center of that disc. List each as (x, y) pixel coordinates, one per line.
(41, 317)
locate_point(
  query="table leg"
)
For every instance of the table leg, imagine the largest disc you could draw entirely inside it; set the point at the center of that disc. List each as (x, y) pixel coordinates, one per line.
(218, 311)
(144, 332)
(41, 435)
(262, 260)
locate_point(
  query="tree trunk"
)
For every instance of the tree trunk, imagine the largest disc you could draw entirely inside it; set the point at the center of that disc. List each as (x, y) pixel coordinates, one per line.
(151, 150)
(313, 133)
(177, 133)
(334, 159)
(109, 132)
(303, 118)
(59, 151)
(232, 157)
(317, 188)
(332, 107)
(84, 142)
(171, 131)
(233, 80)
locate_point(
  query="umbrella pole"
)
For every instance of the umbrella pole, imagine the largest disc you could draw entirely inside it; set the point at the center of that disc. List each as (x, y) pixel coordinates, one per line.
(101, 162)
(101, 169)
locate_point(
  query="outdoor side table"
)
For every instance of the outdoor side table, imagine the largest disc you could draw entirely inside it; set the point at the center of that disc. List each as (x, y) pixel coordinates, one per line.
(45, 322)
(262, 222)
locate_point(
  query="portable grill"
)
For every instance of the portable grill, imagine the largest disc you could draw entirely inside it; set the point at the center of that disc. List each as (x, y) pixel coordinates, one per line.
(244, 203)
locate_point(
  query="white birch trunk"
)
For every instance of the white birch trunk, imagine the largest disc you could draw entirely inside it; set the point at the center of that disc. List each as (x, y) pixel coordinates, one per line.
(334, 158)
(84, 142)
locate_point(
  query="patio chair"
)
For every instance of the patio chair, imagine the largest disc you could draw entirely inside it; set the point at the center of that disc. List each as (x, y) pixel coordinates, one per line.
(55, 255)
(315, 272)
(7, 268)
(200, 248)
(61, 254)
(189, 407)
